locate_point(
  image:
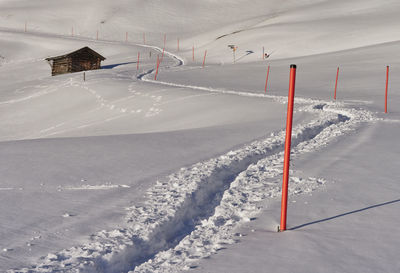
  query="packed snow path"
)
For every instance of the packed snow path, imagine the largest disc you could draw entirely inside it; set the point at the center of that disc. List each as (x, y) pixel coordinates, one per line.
(194, 212)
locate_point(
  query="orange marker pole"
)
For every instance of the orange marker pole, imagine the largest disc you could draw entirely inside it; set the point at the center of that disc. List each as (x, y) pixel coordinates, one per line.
(337, 77)
(288, 140)
(138, 59)
(162, 55)
(266, 81)
(178, 44)
(158, 65)
(387, 85)
(193, 53)
(204, 60)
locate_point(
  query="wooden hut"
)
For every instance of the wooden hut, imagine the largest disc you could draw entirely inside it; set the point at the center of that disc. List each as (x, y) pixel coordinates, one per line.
(79, 60)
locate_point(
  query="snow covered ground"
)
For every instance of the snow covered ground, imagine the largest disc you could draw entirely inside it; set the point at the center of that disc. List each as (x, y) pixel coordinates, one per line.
(121, 173)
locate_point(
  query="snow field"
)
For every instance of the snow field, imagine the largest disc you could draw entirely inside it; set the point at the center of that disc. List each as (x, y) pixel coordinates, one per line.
(207, 201)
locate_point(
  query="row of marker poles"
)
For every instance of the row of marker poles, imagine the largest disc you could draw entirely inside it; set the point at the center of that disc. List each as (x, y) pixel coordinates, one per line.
(288, 139)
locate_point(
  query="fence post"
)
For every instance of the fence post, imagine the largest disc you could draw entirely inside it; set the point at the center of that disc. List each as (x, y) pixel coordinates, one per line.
(288, 140)
(337, 77)
(204, 60)
(386, 92)
(158, 65)
(266, 81)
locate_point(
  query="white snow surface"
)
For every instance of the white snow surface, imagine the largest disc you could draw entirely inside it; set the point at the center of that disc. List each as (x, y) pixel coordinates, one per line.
(125, 173)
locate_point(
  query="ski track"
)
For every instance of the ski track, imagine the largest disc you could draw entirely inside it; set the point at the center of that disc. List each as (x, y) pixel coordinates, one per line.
(195, 211)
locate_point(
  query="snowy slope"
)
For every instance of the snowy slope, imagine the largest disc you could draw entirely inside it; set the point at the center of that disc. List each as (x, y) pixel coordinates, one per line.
(123, 173)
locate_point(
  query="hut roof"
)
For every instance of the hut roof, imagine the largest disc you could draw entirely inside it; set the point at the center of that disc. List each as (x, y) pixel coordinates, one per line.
(83, 49)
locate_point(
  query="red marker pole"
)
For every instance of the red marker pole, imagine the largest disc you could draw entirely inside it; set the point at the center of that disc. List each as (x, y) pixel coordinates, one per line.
(387, 85)
(337, 77)
(266, 81)
(204, 60)
(138, 59)
(193, 53)
(158, 65)
(286, 162)
(178, 44)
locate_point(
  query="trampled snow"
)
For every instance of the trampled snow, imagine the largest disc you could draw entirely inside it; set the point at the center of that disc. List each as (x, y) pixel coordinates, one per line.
(124, 173)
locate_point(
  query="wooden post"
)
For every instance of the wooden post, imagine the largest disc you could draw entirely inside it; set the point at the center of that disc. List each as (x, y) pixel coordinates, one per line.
(288, 140)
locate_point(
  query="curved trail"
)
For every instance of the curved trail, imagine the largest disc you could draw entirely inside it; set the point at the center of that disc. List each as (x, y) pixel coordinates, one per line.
(194, 212)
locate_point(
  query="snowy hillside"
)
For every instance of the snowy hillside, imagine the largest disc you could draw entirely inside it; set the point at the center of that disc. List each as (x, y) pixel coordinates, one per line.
(125, 173)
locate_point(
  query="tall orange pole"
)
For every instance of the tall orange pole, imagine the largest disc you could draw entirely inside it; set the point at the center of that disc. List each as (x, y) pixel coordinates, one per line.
(286, 162)
(178, 44)
(138, 59)
(266, 81)
(387, 85)
(193, 53)
(204, 60)
(337, 77)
